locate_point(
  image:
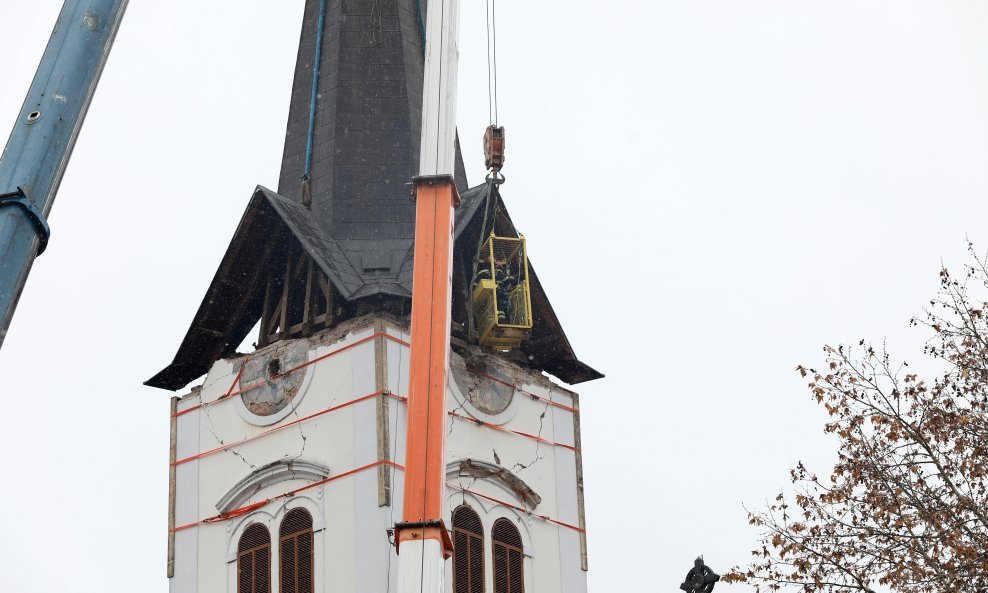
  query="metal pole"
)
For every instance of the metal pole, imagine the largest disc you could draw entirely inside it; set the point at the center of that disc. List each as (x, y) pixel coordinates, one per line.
(422, 536)
(41, 142)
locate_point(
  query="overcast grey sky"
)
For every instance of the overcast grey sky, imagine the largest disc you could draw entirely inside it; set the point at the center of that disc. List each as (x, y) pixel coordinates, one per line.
(712, 190)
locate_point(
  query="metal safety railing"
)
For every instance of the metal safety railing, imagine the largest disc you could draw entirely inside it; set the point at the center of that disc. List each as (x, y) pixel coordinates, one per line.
(501, 293)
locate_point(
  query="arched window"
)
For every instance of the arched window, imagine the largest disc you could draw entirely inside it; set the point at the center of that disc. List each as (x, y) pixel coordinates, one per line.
(295, 543)
(254, 560)
(509, 574)
(468, 551)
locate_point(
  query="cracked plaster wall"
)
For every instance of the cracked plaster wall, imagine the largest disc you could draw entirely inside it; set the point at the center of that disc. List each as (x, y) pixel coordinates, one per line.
(552, 563)
(353, 547)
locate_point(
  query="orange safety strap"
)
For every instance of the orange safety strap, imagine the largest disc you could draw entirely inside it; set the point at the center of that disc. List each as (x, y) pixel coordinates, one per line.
(400, 398)
(230, 392)
(239, 512)
(517, 508)
(224, 447)
(344, 348)
(519, 433)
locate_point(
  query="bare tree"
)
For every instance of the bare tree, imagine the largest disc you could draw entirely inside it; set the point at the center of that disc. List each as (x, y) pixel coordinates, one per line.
(905, 508)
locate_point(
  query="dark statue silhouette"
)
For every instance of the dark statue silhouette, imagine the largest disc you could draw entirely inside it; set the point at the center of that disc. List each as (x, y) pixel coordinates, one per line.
(700, 579)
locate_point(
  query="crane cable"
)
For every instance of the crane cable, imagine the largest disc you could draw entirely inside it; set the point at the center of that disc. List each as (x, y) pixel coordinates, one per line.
(491, 62)
(492, 192)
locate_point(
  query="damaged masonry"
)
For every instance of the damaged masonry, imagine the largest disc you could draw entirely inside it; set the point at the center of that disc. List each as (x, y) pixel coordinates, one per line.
(330, 438)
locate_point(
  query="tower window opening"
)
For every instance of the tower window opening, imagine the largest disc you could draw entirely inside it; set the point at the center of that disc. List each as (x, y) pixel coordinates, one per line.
(509, 570)
(295, 543)
(468, 551)
(254, 560)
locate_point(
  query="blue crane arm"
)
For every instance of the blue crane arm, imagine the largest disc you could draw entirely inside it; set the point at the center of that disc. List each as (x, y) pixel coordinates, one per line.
(41, 142)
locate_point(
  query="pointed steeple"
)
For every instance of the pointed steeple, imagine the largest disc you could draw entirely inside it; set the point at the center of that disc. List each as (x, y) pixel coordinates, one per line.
(308, 258)
(364, 127)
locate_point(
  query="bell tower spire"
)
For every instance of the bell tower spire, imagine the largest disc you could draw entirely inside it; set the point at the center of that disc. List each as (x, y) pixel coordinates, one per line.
(354, 134)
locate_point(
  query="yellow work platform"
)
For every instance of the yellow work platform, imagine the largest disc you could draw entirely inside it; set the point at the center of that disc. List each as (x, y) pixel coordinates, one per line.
(502, 301)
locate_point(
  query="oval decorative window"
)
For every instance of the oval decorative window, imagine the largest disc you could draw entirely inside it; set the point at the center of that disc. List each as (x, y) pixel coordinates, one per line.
(484, 388)
(270, 381)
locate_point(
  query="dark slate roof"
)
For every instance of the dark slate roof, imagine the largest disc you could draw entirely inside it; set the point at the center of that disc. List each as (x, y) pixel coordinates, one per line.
(366, 141)
(233, 302)
(360, 226)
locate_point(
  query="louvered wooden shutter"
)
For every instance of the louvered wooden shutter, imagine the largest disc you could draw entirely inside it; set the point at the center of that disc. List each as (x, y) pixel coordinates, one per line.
(295, 544)
(509, 572)
(254, 560)
(468, 551)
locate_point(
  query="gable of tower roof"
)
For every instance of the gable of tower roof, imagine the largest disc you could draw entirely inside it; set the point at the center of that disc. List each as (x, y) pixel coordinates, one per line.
(269, 226)
(547, 348)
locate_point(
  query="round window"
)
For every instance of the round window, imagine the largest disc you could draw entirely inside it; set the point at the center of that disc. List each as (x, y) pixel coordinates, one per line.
(484, 388)
(270, 381)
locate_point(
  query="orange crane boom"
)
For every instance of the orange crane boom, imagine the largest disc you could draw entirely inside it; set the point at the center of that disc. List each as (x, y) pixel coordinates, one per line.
(422, 538)
(425, 467)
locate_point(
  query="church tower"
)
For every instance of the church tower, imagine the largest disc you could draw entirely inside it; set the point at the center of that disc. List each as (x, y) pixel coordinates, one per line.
(288, 463)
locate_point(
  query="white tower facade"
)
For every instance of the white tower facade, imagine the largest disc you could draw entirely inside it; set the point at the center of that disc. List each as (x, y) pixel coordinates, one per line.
(287, 470)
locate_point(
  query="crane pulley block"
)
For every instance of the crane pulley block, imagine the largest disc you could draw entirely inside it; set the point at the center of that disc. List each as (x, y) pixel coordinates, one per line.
(494, 148)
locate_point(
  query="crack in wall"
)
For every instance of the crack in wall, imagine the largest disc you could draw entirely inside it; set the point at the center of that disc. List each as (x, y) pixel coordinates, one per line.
(451, 418)
(298, 421)
(301, 433)
(205, 386)
(212, 430)
(538, 444)
(211, 427)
